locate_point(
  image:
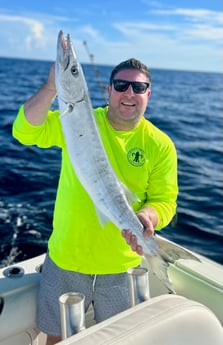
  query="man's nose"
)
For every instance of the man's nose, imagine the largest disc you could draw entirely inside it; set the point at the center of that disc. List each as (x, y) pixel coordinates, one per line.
(129, 90)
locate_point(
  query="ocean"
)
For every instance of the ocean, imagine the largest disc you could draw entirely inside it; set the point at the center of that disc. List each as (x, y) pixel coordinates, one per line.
(188, 106)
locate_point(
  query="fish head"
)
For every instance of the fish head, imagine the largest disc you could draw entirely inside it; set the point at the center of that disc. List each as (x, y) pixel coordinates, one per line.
(69, 79)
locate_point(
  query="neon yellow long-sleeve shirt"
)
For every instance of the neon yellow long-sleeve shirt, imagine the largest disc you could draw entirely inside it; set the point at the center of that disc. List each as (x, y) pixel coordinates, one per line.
(144, 159)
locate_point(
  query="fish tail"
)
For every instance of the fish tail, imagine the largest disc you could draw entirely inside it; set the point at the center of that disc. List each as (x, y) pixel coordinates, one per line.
(167, 252)
(159, 267)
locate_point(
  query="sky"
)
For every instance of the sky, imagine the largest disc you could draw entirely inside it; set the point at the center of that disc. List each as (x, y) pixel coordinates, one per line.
(169, 34)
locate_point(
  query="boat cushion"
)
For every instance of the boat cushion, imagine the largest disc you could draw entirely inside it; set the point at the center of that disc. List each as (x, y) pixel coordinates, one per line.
(167, 319)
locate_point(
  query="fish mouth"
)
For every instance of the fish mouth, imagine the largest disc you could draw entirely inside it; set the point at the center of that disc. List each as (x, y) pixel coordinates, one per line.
(66, 54)
(67, 64)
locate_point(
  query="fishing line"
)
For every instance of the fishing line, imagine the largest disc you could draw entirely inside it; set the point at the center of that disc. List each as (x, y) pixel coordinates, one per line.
(97, 73)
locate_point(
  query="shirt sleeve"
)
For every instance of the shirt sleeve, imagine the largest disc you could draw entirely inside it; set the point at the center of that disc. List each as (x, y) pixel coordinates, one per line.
(48, 134)
(163, 185)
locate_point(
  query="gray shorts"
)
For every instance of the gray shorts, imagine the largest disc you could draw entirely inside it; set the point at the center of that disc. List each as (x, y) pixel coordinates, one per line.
(108, 293)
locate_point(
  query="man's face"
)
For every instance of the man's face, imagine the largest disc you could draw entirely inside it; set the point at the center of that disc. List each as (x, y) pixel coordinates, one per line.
(126, 108)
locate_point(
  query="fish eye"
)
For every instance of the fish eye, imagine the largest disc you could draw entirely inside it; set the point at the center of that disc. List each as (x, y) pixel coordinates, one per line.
(74, 70)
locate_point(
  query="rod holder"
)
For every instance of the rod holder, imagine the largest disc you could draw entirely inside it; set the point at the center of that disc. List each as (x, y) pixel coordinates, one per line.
(72, 313)
(138, 278)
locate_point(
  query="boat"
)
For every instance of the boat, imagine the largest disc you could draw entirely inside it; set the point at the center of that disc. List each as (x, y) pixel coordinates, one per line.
(194, 315)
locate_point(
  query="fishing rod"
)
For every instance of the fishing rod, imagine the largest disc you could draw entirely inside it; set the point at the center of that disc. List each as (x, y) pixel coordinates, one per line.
(97, 72)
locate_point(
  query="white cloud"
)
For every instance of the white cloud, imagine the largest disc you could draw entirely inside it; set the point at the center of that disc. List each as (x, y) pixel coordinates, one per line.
(192, 24)
(196, 23)
(35, 29)
(205, 32)
(178, 38)
(27, 33)
(31, 35)
(192, 37)
(199, 15)
(129, 28)
(89, 31)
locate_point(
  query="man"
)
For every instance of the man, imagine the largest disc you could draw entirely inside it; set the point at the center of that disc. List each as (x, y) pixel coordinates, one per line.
(83, 256)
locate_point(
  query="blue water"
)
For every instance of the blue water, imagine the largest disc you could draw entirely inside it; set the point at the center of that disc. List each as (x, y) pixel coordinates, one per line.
(186, 105)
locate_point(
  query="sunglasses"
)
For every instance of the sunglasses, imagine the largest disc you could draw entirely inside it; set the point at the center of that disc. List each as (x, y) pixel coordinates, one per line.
(123, 85)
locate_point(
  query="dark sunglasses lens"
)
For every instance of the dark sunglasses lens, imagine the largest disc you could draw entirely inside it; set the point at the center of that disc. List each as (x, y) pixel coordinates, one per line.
(121, 85)
(139, 87)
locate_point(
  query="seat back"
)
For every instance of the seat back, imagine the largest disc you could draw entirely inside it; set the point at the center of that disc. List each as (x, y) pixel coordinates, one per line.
(167, 319)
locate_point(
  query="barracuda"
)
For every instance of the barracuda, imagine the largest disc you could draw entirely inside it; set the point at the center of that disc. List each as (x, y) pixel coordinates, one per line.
(91, 164)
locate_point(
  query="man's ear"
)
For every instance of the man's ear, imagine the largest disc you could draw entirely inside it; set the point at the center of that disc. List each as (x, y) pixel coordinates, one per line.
(109, 89)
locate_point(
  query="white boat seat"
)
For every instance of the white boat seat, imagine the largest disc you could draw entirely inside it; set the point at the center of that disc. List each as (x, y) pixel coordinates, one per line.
(167, 319)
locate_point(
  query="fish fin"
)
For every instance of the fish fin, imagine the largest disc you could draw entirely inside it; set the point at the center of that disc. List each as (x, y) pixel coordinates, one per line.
(171, 252)
(131, 197)
(103, 219)
(159, 268)
(66, 111)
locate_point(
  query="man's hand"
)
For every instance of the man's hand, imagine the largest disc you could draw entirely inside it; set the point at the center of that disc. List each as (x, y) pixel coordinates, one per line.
(37, 106)
(132, 241)
(50, 83)
(147, 223)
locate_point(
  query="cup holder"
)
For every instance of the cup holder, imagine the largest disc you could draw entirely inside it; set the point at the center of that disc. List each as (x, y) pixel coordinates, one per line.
(14, 272)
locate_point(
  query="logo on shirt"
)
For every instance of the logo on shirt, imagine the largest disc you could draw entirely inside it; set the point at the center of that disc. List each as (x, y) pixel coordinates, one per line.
(136, 157)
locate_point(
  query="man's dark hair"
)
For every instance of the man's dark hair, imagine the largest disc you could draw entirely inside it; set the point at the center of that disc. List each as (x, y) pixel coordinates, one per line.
(131, 64)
